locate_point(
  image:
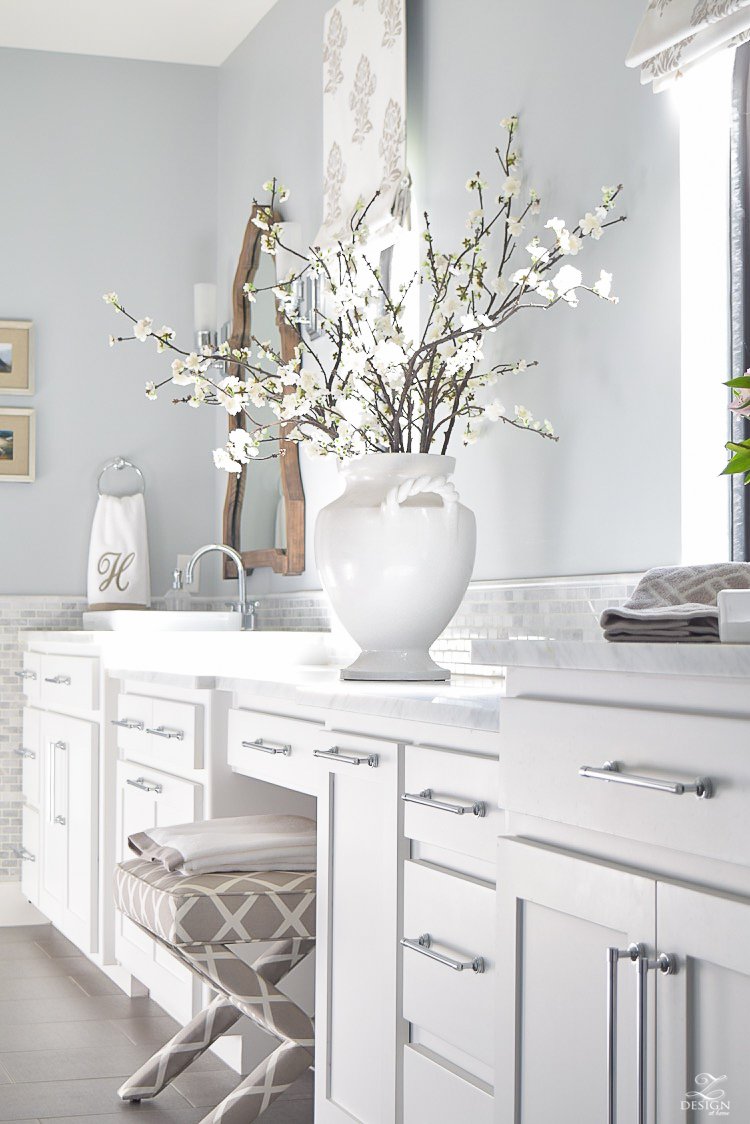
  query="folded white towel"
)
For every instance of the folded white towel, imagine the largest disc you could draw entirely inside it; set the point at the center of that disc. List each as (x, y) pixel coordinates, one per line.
(675, 604)
(118, 569)
(252, 843)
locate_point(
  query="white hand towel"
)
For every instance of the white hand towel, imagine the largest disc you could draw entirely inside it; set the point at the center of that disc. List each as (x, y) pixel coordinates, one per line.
(238, 843)
(118, 570)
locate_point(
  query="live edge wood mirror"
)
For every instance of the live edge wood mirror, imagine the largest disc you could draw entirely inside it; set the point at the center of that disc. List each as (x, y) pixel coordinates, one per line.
(264, 510)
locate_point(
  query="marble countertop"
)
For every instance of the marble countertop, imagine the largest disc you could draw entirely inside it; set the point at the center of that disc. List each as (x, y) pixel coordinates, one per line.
(301, 667)
(730, 661)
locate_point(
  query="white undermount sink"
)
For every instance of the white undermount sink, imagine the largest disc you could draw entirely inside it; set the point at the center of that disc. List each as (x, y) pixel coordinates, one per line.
(160, 620)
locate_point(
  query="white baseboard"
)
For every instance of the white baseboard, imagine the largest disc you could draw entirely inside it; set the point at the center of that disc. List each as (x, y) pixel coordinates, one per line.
(15, 909)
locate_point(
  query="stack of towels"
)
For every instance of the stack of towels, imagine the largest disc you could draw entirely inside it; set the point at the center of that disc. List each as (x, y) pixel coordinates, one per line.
(675, 603)
(240, 843)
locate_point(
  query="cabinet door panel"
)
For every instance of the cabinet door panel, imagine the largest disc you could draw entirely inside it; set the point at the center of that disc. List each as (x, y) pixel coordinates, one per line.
(557, 916)
(704, 1009)
(30, 863)
(356, 988)
(31, 751)
(436, 1094)
(462, 779)
(81, 795)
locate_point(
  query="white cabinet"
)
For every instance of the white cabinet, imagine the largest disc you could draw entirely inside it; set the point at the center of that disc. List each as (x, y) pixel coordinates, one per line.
(69, 866)
(146, 798)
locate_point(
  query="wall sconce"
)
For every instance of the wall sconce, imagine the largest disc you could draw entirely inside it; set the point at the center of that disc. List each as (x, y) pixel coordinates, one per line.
(204, 316)
(305, 290)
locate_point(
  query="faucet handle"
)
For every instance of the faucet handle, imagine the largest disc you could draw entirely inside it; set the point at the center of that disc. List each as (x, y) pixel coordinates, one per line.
(248, 616)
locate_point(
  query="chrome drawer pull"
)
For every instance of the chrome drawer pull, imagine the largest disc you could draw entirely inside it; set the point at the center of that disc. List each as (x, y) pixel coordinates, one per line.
(269, 747)
(146, 786)
(610, 771)
(614, 956)
(127, 723)
(24, 855)
(29, 753)
(26, 674)
(425, 797)
(423, 944)
(60, 820)
(165, 732)
(62, 680)
(335, 754)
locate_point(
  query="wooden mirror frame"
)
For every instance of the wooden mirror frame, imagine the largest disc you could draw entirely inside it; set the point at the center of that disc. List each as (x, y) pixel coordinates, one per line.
(291, 560)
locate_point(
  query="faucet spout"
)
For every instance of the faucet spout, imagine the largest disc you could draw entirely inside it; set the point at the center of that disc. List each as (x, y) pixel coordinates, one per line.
(230, 553)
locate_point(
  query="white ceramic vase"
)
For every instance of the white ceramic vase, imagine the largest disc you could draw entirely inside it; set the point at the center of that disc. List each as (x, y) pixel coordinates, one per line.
(395, 554)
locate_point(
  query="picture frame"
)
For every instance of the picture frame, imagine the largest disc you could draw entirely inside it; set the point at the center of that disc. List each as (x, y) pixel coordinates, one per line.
(16, 357)
(17, 445)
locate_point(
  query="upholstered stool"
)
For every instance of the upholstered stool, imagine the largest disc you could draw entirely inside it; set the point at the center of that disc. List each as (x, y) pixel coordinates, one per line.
(198, 918)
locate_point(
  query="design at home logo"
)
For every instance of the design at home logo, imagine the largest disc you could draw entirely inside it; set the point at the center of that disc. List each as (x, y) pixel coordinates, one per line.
(707, 1096)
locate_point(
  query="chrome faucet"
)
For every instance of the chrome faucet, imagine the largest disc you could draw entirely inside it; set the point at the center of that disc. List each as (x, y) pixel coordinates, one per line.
(242, 582)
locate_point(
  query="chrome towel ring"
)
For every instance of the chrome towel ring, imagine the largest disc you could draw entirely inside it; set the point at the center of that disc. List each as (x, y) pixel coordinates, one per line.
(119, 463)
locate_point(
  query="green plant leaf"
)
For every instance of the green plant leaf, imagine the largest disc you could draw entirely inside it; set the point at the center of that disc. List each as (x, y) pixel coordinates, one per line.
(742, 383)
(740, 462)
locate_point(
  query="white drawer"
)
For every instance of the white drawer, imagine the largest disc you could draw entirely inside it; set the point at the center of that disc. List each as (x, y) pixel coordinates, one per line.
(30, 751)
(273, 748)
(435, 1094)
(29, 855)
(458, 915)
(31, 676)
(452, 784)
(545, 744)
(165, 732)
(70, 682)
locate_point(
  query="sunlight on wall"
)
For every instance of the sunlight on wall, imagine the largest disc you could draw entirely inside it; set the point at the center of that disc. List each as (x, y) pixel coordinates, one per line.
(704, 98)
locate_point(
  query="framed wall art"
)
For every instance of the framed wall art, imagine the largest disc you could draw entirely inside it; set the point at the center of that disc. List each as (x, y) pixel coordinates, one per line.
(16, 357)
(17, 445)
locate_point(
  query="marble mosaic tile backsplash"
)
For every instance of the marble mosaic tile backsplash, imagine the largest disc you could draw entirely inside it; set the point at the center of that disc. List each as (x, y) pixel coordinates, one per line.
(559, 608)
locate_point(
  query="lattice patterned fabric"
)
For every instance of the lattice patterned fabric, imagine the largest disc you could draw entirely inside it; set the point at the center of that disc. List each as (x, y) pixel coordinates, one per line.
(216, 908)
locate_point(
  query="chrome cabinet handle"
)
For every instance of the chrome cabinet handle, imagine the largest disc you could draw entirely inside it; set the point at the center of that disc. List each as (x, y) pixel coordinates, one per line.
(165, 732)
(665, 963)
(60, 820)
(335, 754)
(423, 944)
(478, 808)
(60, 745)
(24, 855)
(127, 723)
(614, 956)
(269, 747)
(610, 771)
(29, 753)
(146, 786)
(25, 673)
(62, 680)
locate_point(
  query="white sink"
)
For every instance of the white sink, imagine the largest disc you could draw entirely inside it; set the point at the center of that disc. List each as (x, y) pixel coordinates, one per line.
(159, 620)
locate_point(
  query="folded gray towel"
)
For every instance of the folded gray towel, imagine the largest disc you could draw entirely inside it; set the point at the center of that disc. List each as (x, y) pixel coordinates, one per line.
(675, 604)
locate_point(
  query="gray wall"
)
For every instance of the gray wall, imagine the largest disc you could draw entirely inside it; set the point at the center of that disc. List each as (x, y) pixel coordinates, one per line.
(108, 182)
(606, 497)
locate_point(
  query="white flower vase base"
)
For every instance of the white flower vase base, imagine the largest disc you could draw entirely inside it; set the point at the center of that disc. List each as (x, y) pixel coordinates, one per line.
(395, 554)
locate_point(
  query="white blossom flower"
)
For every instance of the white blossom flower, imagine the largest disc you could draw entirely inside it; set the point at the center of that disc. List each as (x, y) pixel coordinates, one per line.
(591, 223)
(268, 244)
(566, 280)
(603, 286)
(194, 363)
(569, 243)
(180, 375)
(472, 431)
(150, 390)
(223, 460)
(558, 225)
(521, 365)
(249, 290)
(494, 410)
(241, 446)
(511, 187)
(516, 227)
(164, 336)
(282, 193)
(475, 218)
(547, 428)
(523, 416)
(528, 277)
(261, 221)
(536, 251)
(500, 286)
(535, 205)
(230, 393)
(112, 341)
(509, 123)
(112, 298)
(142, 329)
(475, 183)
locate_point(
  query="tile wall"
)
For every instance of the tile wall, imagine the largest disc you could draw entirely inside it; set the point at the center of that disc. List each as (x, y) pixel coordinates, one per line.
(559, 608)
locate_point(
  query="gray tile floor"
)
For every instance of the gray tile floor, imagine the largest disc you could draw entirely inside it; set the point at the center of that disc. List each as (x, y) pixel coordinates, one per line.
(68, 1038)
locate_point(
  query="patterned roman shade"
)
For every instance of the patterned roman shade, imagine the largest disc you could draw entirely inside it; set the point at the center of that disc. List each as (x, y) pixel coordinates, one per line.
(676, 34)
(364, 116)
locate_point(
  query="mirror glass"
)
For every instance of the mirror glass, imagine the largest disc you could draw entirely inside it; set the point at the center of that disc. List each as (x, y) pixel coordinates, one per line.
(262, 521)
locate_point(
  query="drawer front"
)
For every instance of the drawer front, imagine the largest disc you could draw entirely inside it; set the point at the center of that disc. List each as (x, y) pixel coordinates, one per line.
(70, 682)
(151, 798)
(30, 752)
(273, 748)
(545, 744)
(453, 784)
(176, 734)
(458, 914)
(30, 855)
(31, 676)
(162, 732)
(434, 1094)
